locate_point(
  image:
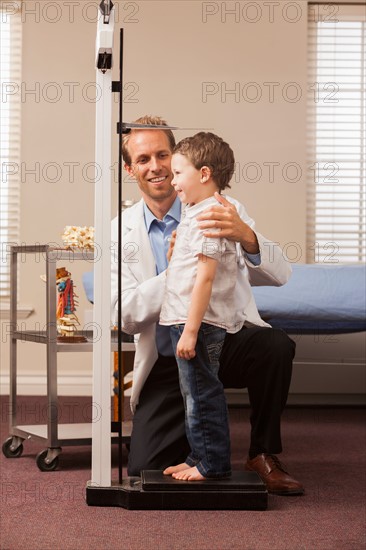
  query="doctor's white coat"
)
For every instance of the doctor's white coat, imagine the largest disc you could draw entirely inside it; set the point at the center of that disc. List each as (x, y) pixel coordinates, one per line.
(143, 290)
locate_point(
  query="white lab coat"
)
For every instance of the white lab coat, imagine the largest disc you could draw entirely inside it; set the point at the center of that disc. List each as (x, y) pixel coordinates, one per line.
(143, 290)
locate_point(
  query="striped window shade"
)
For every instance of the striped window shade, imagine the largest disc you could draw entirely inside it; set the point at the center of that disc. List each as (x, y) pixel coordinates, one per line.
(336, 200)
(10, 115)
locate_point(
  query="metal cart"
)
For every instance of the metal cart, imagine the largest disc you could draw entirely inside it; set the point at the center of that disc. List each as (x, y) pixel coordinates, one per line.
(53, 434)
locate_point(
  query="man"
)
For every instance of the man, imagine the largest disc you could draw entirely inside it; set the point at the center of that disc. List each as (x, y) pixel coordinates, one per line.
(257, 357)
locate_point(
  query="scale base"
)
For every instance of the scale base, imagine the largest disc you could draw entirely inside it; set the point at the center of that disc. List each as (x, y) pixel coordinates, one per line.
(155, 491)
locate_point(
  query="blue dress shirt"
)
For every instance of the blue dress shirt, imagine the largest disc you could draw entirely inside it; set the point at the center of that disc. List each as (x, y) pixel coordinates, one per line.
(159, 234)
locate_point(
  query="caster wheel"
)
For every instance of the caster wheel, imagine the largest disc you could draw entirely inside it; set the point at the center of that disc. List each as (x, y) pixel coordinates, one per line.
(8, 451)
(46, 466)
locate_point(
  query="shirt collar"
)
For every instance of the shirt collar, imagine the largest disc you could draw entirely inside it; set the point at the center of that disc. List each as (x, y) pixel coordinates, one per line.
(174, 212)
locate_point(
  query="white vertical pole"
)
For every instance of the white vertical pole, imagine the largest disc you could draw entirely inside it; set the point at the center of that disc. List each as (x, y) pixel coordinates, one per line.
(101, 426)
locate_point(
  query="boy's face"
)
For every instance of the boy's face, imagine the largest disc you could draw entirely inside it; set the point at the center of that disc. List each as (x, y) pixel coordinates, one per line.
(186, 180)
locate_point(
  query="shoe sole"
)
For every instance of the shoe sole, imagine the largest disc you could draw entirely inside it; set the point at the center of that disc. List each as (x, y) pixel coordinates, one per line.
(294, 493)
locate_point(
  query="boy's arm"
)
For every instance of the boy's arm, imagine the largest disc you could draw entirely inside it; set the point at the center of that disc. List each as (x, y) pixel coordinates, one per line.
(200, 298)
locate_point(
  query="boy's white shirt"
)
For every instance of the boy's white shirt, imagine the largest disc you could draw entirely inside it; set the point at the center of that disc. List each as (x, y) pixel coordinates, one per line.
(182, 272)
(143, 290)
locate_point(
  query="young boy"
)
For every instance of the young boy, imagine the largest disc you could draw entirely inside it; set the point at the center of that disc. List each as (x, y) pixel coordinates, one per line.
(199, 303)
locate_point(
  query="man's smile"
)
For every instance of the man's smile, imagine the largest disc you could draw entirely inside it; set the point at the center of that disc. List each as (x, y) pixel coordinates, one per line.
(158, 180)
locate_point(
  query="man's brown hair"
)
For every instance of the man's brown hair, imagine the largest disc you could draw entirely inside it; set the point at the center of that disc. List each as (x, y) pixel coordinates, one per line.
(147, 119)
(207, 149)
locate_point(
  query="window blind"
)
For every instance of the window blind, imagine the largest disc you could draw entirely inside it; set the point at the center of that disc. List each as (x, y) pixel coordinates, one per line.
(10, 111)
(336, 197)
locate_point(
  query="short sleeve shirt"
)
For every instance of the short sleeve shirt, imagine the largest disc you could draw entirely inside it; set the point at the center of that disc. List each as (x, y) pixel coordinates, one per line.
(182, 271)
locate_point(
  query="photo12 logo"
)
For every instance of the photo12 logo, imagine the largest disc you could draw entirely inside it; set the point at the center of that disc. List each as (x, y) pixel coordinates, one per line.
(267, 12)
(68, 11)
(269, 91)
(69, 92)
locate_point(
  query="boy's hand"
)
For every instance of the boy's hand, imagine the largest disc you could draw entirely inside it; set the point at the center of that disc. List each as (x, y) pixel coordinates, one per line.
(171, 245)
(186, 346)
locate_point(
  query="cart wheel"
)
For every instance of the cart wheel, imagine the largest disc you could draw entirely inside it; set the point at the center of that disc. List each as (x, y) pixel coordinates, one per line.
(8, 451)
(46, 466)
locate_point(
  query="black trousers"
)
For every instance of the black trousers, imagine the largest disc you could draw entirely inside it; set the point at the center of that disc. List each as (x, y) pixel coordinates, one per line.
(257, 358)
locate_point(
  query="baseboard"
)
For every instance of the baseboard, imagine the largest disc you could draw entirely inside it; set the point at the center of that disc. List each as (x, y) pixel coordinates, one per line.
(240, 398)
(70, 385)
(81, 385)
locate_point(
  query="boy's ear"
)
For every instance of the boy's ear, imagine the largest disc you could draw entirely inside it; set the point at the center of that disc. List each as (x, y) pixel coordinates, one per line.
(205, 173)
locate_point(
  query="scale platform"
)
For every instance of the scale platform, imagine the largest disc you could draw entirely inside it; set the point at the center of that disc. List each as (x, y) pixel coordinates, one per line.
(155, 491)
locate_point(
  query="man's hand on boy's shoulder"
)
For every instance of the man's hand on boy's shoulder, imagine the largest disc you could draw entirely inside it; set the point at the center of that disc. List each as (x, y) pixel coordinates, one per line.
(232, 227)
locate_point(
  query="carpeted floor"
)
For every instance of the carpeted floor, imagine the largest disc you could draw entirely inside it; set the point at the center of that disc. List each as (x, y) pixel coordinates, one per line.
(324, 448)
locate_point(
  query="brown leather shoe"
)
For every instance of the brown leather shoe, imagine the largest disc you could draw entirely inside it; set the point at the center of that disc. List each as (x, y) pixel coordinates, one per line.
(272, 472)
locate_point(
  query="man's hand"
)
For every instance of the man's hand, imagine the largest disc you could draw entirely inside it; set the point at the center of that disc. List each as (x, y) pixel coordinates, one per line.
(232, 227)
(186, 345)
(171, 245)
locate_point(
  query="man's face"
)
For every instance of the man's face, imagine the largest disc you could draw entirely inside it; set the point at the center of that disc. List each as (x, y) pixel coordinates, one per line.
(150, 163)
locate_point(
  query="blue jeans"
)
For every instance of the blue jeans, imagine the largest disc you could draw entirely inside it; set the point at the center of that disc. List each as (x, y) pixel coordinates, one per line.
(206, 414)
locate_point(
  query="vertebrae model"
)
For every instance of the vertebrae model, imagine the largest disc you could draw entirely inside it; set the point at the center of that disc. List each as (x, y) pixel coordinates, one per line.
(67, 320)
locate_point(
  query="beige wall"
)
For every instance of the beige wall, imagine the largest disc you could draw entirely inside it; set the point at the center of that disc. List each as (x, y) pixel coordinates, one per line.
(181, 60)
(189, 82)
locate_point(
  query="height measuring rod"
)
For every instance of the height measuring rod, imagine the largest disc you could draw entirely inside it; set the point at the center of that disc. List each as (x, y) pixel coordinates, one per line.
(101, 423)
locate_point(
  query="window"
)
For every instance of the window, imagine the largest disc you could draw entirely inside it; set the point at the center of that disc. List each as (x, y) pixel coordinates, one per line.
(337, 133)
(10, 103)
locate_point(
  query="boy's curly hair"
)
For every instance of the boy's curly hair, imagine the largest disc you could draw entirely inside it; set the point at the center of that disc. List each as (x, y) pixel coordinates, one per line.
(207, 149)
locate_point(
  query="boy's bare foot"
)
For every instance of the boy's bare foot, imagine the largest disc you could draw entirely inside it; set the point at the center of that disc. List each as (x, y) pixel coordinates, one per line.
(190, 474)
(174, 469)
